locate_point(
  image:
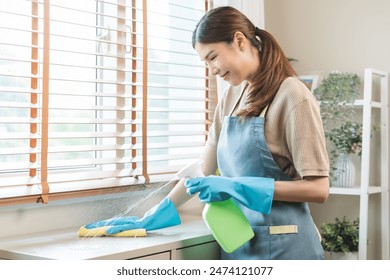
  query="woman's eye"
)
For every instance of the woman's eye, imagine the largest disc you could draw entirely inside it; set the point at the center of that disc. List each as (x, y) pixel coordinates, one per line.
(213, 58)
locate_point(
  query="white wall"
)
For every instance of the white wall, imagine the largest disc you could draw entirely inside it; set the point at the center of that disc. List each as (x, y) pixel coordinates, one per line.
(328, 35)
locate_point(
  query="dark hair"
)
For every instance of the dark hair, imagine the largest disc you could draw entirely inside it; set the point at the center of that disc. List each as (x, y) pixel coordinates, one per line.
(219, 25)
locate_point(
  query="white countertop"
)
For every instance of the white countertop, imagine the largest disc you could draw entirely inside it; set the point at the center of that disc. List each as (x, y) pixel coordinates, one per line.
(66, 245)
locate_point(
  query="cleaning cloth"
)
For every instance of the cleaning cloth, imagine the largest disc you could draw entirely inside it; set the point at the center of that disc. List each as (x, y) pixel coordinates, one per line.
(102, 231)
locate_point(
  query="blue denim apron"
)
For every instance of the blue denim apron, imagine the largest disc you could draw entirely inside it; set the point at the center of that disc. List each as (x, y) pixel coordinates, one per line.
(243, 151)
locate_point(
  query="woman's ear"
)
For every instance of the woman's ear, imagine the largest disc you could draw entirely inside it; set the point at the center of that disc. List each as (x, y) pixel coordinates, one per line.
(239, 39)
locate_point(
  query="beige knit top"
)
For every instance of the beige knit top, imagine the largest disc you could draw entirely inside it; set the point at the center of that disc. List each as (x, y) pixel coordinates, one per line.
(293, 128)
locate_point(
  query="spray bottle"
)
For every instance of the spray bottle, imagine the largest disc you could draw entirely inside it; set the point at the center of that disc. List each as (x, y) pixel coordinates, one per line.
(225, 219)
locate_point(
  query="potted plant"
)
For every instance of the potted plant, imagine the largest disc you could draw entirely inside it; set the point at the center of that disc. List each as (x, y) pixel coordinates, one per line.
(346, 140)
(341, 238)
(337, 94)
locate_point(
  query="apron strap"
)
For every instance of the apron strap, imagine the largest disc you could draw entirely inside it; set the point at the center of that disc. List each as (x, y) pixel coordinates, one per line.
(238, 100)
(262, 114)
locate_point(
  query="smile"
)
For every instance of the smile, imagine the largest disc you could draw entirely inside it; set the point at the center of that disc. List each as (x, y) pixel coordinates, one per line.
(225, 75)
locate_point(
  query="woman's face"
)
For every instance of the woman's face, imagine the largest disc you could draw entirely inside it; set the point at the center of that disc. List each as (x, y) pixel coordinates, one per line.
(235, 62)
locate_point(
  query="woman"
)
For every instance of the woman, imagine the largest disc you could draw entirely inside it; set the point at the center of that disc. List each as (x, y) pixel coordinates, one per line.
(269, 129)
(266, 141)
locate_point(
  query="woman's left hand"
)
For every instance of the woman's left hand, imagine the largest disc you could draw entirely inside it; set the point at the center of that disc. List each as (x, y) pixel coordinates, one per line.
(255, 193)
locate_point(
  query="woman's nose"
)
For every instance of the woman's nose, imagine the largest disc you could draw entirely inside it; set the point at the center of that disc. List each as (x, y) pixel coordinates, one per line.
(214, 70)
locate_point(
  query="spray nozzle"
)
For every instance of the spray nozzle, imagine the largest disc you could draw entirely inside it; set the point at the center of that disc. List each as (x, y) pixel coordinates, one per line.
(191, 170)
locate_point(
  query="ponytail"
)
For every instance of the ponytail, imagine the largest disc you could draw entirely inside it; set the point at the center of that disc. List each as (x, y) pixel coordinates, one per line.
(273, 70)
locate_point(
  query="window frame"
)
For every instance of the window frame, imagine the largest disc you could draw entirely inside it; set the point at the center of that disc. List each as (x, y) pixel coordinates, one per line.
(41, 192)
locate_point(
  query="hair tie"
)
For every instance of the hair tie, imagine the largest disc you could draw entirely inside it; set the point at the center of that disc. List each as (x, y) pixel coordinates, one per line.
(257, 39)
(257, 31)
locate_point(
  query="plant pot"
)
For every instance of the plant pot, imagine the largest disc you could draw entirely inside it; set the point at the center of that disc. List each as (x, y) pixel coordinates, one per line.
(345, 172)
(343, 256)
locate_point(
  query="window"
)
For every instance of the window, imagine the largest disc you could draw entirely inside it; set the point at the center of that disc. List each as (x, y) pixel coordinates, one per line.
(97, 94)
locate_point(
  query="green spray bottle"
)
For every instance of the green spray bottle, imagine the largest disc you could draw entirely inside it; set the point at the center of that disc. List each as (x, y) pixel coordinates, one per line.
(225, 219)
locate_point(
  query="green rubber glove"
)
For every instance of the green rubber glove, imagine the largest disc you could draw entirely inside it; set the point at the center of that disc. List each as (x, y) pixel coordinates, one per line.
(255, 193)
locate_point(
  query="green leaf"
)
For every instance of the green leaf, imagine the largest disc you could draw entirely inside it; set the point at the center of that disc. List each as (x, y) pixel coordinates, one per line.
(340, 236)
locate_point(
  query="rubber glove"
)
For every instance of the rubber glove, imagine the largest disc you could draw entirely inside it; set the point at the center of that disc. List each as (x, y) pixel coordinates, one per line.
(255, 193)
(112, 222)
(160, 216)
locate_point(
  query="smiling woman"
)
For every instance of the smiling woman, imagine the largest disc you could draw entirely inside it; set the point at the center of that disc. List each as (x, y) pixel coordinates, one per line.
(231, 62)
(267, 139)
(98, 94)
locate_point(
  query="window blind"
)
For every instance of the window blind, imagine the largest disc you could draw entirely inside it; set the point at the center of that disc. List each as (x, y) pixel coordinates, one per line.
(97, 94)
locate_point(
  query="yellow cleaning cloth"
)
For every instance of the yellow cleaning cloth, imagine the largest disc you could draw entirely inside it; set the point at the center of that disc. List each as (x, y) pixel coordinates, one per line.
(102, 231)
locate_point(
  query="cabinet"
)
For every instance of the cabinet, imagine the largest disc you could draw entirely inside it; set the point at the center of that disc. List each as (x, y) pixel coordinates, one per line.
(204, 251)
(158, 256)
(378, 80)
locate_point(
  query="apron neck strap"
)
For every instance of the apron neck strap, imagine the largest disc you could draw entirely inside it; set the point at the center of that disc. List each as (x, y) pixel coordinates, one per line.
(262, 114)
(238, 99)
